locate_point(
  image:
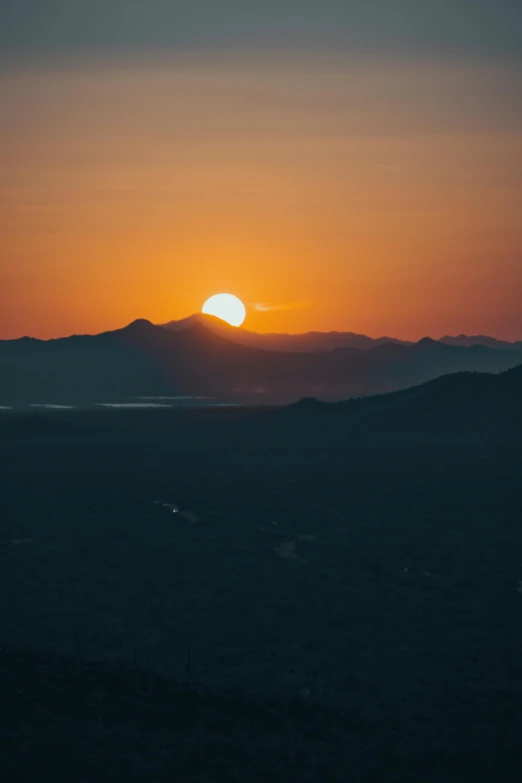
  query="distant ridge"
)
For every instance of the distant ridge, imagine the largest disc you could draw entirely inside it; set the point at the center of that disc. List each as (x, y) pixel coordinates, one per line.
(199, 359)
(480, 339)
(312, 342)
(308, 342)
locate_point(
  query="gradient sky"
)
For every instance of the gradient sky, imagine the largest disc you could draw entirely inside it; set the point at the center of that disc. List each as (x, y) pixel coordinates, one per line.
(339, 165)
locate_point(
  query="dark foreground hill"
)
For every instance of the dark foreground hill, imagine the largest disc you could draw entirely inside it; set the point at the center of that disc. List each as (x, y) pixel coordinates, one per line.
(64, 718)
(143, 360)
(463, 403)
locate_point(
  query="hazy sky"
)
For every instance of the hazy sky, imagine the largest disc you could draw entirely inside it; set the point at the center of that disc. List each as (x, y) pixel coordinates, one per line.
(341, 165)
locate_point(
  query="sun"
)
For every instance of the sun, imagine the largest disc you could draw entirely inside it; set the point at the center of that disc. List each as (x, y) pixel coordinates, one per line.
(227, 307)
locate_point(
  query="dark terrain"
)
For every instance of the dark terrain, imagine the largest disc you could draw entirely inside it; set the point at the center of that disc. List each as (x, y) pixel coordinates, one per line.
(330, 592)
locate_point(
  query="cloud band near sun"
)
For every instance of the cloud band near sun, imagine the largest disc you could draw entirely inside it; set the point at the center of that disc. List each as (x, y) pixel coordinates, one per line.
(269, 307)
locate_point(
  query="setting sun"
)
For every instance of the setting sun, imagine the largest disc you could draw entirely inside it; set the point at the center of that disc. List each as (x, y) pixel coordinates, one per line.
(227, 307)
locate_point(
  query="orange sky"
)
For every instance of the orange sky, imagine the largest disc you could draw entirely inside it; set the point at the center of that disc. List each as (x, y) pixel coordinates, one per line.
(381, 198)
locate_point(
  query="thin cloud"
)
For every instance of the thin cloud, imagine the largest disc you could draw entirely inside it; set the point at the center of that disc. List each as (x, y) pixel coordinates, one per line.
(387, 166)
(268, 307)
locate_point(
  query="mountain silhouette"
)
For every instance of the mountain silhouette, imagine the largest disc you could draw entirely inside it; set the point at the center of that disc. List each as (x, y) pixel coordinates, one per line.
(81, 369)
(471, 404)
(481, 339)
(311, 342)
(143, 360)
(308, 342)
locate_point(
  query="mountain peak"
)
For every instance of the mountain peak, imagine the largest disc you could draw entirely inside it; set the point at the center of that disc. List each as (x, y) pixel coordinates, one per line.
(139, 326)
(198, 319)
(139, 323)
(137, 330)
(427, 341)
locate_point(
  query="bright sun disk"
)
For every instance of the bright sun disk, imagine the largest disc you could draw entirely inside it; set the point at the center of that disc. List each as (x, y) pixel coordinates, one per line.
(227, 307)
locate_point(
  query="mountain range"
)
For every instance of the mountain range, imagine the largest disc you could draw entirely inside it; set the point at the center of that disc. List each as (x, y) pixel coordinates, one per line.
(311, 342)
(197, 357)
